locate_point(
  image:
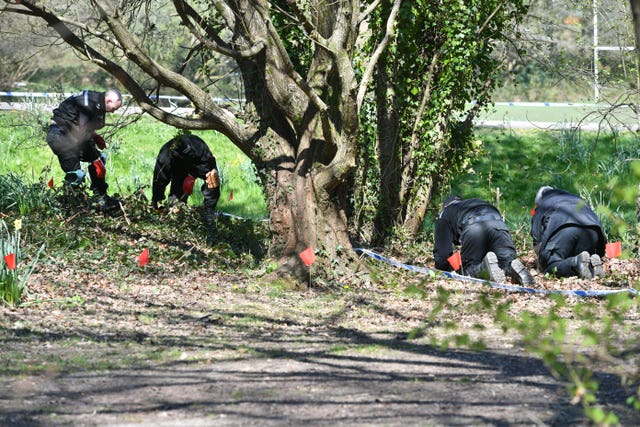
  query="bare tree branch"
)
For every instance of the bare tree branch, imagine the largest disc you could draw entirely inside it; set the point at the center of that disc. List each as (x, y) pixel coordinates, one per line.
(225, 12)
(369, 10)
(486, 22)
(188, 14)
(200, 99)
(389, 34)
(301, 17)
(407, 176)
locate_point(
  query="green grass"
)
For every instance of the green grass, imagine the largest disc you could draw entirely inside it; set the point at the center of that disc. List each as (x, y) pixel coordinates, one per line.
(131, 153)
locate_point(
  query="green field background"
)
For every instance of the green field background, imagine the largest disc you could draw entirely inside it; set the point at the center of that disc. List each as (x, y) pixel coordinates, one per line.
(556, 113)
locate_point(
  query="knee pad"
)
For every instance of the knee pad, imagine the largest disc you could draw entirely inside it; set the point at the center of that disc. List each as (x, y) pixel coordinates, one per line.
(75, 177)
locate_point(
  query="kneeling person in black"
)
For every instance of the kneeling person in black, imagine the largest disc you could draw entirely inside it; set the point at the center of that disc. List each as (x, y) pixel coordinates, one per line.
(179, 162)
(486, 247)
(567, 235)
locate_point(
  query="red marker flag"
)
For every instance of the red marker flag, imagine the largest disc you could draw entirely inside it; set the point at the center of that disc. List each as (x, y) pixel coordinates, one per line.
(613, 249)
(187, 185)
(11, 261)
(50, 183)
(455, 261)
(143, 259)
(307, 256)
(231, 195)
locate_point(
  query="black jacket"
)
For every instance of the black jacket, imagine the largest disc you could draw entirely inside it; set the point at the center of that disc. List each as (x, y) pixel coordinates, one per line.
(451, 223)
(183, 155)
(81, 113)
(558, 209)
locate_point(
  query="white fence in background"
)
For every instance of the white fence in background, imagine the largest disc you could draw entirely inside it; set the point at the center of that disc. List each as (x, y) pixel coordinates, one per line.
(180, 105)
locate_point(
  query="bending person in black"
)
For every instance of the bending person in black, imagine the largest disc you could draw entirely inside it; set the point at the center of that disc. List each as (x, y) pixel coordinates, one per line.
(486, 247)
(179, 162)
(567, 235)
(72, 137)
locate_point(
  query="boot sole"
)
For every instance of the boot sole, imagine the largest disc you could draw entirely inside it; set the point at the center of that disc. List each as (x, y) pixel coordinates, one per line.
(596, 264)
(583, 265)
(521, 274)
(490, 265)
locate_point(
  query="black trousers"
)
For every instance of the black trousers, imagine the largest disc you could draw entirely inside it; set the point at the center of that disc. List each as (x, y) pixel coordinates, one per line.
(566, 243)
(70, 151)
(486, 236)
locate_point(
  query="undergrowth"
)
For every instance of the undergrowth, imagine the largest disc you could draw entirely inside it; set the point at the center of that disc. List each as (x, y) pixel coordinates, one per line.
(74, 233)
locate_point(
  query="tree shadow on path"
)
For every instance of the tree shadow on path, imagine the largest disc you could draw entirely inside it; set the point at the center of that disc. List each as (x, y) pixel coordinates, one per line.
(281, 373)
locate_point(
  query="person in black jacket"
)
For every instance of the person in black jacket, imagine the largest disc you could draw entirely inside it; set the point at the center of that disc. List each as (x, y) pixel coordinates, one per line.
(179, 162)
(486, 247)
(567, 235)
(72, 137)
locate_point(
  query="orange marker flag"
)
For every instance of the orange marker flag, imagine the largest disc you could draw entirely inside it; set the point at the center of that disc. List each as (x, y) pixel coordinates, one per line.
(307, 256)
(455, 261)
(11, 261)
(50, 183)
(230, 195)
(613, 249)
(143, 259)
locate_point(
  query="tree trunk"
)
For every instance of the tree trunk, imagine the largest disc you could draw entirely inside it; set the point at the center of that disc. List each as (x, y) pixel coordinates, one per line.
(305, 204)
(304, 215)
(306, 143)
(417, 208)
(388, 151)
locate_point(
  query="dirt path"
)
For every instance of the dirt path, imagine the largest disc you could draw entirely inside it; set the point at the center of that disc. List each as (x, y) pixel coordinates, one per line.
(414, 386)
(214, 349)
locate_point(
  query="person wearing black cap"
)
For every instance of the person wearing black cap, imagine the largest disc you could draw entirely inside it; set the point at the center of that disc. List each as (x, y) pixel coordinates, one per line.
(486, 247)
(567, 235)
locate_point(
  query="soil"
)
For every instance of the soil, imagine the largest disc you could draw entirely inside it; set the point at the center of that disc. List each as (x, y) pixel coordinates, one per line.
(214, 348)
